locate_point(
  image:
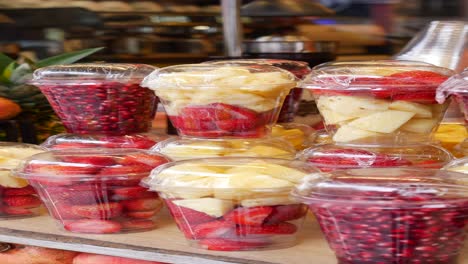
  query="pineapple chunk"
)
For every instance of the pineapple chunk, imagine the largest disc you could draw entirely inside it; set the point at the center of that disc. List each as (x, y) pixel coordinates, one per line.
(382, 122)
(419, 125)
(210, 206)
(198, 149)
(332, 118)
(267, 201)
(8, 181)
(254, 179)
(263, 151)
(273, 170)
(353, 106)
(347, 134)
(420, 110)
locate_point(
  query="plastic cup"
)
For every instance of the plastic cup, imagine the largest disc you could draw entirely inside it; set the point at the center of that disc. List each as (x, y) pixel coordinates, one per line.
(332, 157)
(71, 141)
(99, 98)
(190, 148)
(391, 215)
(456, 86)
(95, 190)
(233, 204)
(210, 101)
(378, 102)
(299, 68)
(17, 198)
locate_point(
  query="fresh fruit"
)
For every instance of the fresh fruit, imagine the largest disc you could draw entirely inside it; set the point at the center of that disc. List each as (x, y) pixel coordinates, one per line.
(423, 126)
(97, 161)
(254, 216)
(283, 213)
(348, 133)
(142, 214)
(152, 161)
(270, 229)
(18, 191)
(352, 106)
(212, 229)
(18, 211)
(138, 224)
(93, 226)
(420, 110)
(187, 215)
(8, 109)
(144, 204)
(98, 211)
(266, 201)
(210, 206)
(125, 193)
(22, 201)
(87, 258)
(20, 254)
(382, 122)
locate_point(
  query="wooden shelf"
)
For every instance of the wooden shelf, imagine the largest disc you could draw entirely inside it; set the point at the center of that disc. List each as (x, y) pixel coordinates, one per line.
(166, 244)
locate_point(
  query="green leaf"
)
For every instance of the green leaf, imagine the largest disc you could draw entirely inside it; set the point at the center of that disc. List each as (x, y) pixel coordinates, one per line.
(67, 58)
(4, 61)
(9, 69)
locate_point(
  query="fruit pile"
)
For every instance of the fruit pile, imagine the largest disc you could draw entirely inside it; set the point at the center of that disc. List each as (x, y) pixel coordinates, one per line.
(390, 215)
(233, 204)
(378, 104)
(71, 141)
(205, 100)
(95, 190)
(17, 198)
(181, 149)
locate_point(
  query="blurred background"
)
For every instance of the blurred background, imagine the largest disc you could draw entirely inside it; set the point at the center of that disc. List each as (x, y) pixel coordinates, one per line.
(185, 31)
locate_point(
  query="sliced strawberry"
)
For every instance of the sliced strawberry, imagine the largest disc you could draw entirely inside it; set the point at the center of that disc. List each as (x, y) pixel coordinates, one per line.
(144, 204)
(419, 76)
(93, 226)
(138, 224)
(213, 229)
(235, 112)
(283, 228)
(124, 170)
(186, 214)
(134, 141)
(429, 164)
(77, 197)
(283, 213)
(98, 211)
(19, 191)
(72, 145)
(236, 124)
(145, 194)
(152, 161)
(202, 113)
(22, 201)
(231, 245)
(130, 192)
(9, 210)
(96, 160)
(63, 211)
(142, 214)
(55, 172)
(249, 215)
(424, 97)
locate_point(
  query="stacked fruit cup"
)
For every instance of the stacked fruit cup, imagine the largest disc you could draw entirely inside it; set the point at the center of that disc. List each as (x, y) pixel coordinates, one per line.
(95, 190)
(89, 180)
(18, 198)
(233, 204)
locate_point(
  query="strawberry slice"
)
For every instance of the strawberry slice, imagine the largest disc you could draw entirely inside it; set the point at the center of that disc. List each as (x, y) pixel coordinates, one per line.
(72, 145)
(56, 175)
(63, 211)
(424, 97)
(96, 160)
(93, 226)
(283, 213)
(141, 214)
(231, 245)
(19, 191)
(144, 204)
(74, 196)
(124, 170)
(138, 224)
(419, 76)
(202, 113)
(152, 161)
(135, 141)
(22, 201)
(213, 229)
(428, 164)
(186, 214)
(284, 228)
(19, 211)
(98, 211)
(130, 192)
(236, 124)
(235, 112)
(249, 215)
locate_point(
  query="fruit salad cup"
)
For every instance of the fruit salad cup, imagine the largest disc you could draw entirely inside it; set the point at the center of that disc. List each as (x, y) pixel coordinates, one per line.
(457, 86)
(70, 141)
(391, 215)
(299, 135)
(299, 68)
(378, 102)
(95, 190)
(17, 197)
(332, 157)
(233, 204)
(204, 100)
(99, 98)
(185, 148)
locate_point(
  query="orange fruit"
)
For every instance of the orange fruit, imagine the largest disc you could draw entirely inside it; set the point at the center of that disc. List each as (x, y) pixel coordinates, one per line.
(8, 109)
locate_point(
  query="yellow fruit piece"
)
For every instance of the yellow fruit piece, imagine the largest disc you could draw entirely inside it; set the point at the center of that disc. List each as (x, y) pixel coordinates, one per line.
(332, 118)
(210, 206)
(352, 106)
(267, 201)
(383, 122)
(420, 110)
(347, 133)
(294, 136)
(276, 171)
(266, 151)
(419, 125)
(9, 181)
(196, 149)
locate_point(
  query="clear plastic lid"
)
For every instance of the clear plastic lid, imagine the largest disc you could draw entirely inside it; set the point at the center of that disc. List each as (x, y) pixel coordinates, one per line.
(371, 75)
(205, 76)
(90, 164)
(458, 165)
(457, 84)
(334, 157)
(298, 68)
(389, 187)
(91, 72)
(183, 148)
(69, 141)
(259, 174)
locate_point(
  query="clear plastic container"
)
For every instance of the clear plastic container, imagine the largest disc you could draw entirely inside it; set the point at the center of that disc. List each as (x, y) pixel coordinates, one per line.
(211, 101)
(299, 68)
(332, 157)
(456, 86)
(299, 135)
(233, 204)
(100, 98)
(69, 141)
(378, 102)
(184, 148)
(17, 198)
(458, 165)
(390, 215)
(95, 190)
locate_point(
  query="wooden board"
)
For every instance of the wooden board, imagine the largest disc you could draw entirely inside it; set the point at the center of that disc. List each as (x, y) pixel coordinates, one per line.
(166, 244)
